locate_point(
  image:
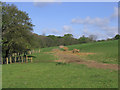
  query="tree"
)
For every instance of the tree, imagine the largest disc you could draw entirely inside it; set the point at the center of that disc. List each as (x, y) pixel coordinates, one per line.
(16, 28)
(93, 37)
(68, 39)
(68, 35)
(84, 39)
(117, 36)
(54, 39)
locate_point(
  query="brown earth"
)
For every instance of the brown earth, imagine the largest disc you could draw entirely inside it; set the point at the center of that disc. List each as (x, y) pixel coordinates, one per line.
(69, 57)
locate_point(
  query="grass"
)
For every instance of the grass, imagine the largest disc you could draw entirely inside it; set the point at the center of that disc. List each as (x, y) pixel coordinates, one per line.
(106, 52)
(44, 73)
(43, 57)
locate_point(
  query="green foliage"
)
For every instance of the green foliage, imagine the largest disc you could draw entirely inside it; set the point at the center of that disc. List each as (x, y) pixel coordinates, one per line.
(83, 39)
(117, 36)
(41, 41)
(16, 30)
(69, 40)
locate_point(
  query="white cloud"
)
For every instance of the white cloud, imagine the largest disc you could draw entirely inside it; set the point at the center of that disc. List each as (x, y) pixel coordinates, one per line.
(111, 31)
(101, 24)
(91, 21)
(101, 27)
(99, 35)
(53, 31)
(102, 32)
(67, 29)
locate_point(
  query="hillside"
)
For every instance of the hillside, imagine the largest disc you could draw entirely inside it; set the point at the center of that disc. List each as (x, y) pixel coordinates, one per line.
(43, 72)
(106, 52)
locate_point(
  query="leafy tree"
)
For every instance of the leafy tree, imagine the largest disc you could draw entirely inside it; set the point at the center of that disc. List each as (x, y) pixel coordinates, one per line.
(54, 39)
(16, 28)
(84, 39)
(67, 39)
(68, 35)
(117, 36)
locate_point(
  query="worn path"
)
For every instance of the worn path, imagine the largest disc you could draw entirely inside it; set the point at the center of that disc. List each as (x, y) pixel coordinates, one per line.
(69, 57)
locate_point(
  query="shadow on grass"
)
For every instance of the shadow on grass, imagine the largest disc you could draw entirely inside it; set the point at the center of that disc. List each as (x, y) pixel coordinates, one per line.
(31, 56)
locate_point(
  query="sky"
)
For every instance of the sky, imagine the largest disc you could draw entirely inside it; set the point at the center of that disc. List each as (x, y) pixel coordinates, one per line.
(77, 18)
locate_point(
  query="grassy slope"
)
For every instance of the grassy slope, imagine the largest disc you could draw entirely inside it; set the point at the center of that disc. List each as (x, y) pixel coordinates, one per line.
(47, 75)
(106, 52)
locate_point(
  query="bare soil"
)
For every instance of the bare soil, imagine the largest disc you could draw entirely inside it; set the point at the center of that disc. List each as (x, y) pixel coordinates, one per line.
(69, 57)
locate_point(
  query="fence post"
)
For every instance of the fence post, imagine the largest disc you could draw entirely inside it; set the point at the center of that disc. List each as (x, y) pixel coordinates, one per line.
(15, 54)
(7, 60)
(30, 52)
(31, 59)
(10, 60)
(33, 50)
(39, 50)
(18, 54)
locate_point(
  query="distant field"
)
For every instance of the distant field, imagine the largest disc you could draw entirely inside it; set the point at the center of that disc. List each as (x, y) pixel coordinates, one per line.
(44, 73)
(106, 52)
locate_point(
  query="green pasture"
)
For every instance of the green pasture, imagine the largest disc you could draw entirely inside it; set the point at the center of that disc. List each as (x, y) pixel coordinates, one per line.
(44, 73)
(48, 75)
(106, 52)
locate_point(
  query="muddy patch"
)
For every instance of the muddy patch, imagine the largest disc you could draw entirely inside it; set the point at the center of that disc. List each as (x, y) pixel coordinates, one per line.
(85, 53)
(100, 65)
(68, 57)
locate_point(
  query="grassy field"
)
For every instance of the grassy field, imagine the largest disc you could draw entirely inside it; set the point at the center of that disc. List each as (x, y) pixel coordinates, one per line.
(106, 52)
(44, 73)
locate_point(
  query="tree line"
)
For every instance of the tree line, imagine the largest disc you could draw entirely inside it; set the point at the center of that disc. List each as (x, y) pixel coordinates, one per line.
(52, 40)
(17, 35)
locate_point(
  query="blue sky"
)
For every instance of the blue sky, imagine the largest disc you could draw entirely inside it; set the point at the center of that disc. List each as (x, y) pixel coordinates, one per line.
(77, 18)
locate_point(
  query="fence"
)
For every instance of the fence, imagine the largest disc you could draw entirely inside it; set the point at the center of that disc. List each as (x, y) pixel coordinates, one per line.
(21, 59)
(18, 59)
(33, 51)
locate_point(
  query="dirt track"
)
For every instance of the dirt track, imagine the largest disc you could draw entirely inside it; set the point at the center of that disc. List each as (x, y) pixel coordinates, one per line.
(68, 57)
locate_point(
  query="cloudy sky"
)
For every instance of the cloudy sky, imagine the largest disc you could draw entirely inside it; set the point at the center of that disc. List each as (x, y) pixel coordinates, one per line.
(77, 18)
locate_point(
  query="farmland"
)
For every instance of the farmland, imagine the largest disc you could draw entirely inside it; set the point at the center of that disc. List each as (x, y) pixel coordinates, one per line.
(66, 45)
(44, 72)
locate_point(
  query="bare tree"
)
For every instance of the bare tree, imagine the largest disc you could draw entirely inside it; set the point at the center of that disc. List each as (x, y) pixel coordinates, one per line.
(93, 37)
